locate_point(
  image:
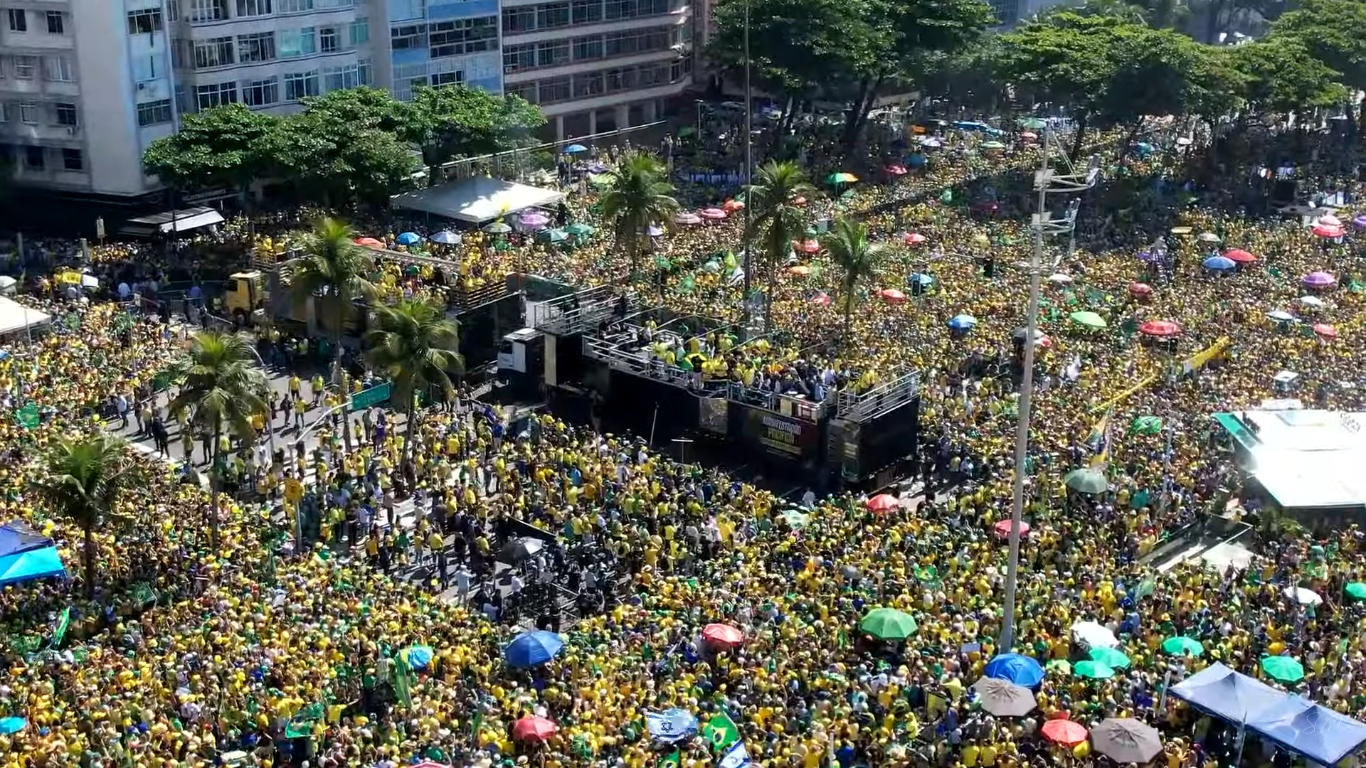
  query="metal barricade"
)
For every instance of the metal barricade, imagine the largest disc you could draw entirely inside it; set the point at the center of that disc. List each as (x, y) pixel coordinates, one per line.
(881, 399)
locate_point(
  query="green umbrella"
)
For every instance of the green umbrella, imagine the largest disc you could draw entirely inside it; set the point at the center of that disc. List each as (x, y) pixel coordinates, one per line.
(1062, 665)
(1146, 425)
(888, 624)
(1356, 590)
(1088, 319)
(552, 235)
(579, 230)
(1183, 646)
(1110, 657)
(1093, 670)
(1283, 669)
(1032, 123)
(841, 178)
(662, 263)
(1088, 481)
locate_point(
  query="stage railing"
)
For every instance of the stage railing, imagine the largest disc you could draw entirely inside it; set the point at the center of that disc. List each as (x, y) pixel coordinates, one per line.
(575, 312)
(640, 365)
(783, 405)
(878, 400)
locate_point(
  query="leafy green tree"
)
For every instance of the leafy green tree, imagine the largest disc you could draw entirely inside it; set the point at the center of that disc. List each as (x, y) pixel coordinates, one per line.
(83, 476)
(1334, 32)
(416, 346)
(221, 389)
(226, 147)
(775, 218)
(455, 121)
(1281, 76)
(639, 194)
(857, 257)
(363, 107)
(344, 162)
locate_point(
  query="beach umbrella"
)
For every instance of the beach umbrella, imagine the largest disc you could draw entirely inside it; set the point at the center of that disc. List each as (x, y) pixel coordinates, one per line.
(712, 213)
(1302, 596)
(1088, 319)
(1325, 330)
(962, 322)
(1094, 635)
(531, 649)
(1283, 669)
(579, 230)
(1059, 278)
(892, 296)
(1239, 256)
(1356, 590)
(417, 656)
(662, 262)
(654, 230)
(1003, 698)
(1093, 670)
(409, 238)
(1280, 315)
(888, 624)
(1061, 665)
(1015, 668)
(1208, 237)
(533, 729)
(1159, 328)
(369, 241)
(1319, 280)
(1110, 657)
(533, 220)
(11, 725)
(800, 270)
(687, 218)
(1029, 135)
(1328, 231)
(1065, 732)
(883, 502)
(809, 247)
(552, 236)
(1002, 529)
(914, 238)
(723, 635)
(1219, 263)
(446, 237)
(843, 177)
(896, 170)
(497, 228)
(1088, 481)
(922, 279)
(1146, 425)
(993, 145)
(1311, 301)
(733, 205)
(1329, 220)
(1360, 221)
(574, 149)
(520, 549)
(821, 299)
(1126, 740)
(1183, 646)
(931, 142)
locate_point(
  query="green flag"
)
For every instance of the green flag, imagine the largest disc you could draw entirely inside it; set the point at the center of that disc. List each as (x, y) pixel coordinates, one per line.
(946, 196)
(403, 681)
(720, 732)
(1145, 587)
(671, 760)
(63, 624)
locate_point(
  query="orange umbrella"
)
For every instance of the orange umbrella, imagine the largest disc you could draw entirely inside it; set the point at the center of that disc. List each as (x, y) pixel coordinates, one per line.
(370, 241)
(730, 206)
(892, 296)
(1240, 256)
(723, 635)
(883, 502)
(1003, 528)
(1065, 732)
(1325, 330)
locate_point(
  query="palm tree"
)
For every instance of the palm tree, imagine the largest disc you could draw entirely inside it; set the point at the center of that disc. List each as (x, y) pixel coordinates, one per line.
(848, 246)
(414, 344)
(334, 270)
(639, 195)
(84, 474)
(221, 388)
(776, 219)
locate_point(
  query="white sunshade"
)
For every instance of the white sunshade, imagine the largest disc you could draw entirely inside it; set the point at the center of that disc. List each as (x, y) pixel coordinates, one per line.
(1303, 596)
(477, 200)
(1094, 635)
(16, 317)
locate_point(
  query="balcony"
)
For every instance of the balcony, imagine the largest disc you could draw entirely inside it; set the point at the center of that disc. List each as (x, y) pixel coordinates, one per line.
(41, 133)
(11, 86)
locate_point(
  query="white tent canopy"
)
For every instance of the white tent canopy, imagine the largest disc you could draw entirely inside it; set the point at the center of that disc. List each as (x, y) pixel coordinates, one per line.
(16, 317)
(477, 200)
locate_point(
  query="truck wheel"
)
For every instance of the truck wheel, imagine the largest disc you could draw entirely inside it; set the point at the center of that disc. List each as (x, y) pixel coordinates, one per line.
(241, 319)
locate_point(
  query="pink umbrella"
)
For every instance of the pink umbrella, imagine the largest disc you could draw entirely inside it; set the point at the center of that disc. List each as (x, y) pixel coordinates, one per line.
(1325, 330)
(821, 299)
(733, 205)
(883, 502)
(1240, 256)
(712, 213)
(915, 238)
(1003, 528)
(1140, 289)
(808, 247)
(533, 220)
(535, 729)
(1319, 280)
(1327, 231)
(892, 296)
(723, 635)
(1030, 135)
(1159, 328)
(896, 170)
(687, 218)
(1329, 220)
(369, 241)
(1064, 732)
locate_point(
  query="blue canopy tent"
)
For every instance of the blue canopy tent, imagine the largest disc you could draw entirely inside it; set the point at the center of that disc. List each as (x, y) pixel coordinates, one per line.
(1226, 694)
(30, 565)
(17, 537)
(1318, 733)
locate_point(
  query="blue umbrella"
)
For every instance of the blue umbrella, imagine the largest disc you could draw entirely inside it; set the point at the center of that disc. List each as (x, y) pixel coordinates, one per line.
(574, 149)
(531, 649)
(12, 725)
(1014, 668)
(916, 160)
(962, 322)
(418, 656)
(446, 237)
(921, 279)
(671, 725)
(1219, 263)
(409, 238)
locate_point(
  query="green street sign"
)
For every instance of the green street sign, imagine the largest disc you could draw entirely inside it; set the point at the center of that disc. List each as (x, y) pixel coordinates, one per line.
(372, 396)
(27, 416)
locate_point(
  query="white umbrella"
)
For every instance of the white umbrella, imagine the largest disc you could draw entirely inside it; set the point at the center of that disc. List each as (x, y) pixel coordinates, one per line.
(89, 281)
(1058, 277)
(1303, 596)
(7, 282)
(1311, 301)
(1094, 635)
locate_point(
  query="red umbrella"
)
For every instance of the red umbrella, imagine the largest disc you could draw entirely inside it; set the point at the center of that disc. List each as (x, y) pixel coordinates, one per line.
(807, 247)
(712, 213)
(896, 170)
(370, 241)
(1239, 255)
(892, 295)
(1325, 330)
(733, 205)
(1065, 732)
(1029, 135)
(883, 502)
(723, 635)
(1140, 289)
(1162, 328)
(533, 729)
(1003, 529)
(821, 299)
(915, 238)
(1327, 231)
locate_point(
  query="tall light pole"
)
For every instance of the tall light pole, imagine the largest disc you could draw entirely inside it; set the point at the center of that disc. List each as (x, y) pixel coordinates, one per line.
(1045, 181)
(749, 174)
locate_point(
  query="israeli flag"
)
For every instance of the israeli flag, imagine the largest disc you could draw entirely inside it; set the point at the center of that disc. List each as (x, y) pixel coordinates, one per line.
(671, 726)
(735, 757)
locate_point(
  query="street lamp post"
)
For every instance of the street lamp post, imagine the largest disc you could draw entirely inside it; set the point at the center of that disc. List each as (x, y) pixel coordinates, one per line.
(749, 178)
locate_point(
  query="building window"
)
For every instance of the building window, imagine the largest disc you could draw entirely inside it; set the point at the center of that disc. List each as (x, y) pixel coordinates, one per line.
(330, 41)
(215, 95)
(294, 6)
(553, 89)
(408, 37)
(216, 52)
(363, 71)
(552, 15)
(586, 11)
(28, 113)
(588, 85)
(145, 21)
(298, 42)
(588, 48)
(55, 23)
(637, 41)
(247, 8)
(34, 159)
(72, 159)
(517, 57)
(448, 78)
(256, 48)
(3, 67)
(299, 85)
(18, 20)
(552, 53)
(154, 113)
(520, 19)
(64, 114)
(202, 11)
(359, 32)
(173, 10)
(57, 69)
(25, 67)
(261, 93)
(4, 112)
(457, 38)
(339, 78)
(526, 90)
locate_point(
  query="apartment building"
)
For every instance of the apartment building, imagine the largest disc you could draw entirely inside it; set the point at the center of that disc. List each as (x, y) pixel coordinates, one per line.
(135, 67)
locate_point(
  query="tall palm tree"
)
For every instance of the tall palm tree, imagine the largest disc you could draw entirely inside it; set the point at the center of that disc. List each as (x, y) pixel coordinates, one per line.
(776, 220)
(334, 271)
(416, 346)
(84, 474)
(849, 247)
(221, 389)
(640, 194)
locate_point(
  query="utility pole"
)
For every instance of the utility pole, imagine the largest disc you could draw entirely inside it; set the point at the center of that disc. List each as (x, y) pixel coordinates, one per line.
(749, 177)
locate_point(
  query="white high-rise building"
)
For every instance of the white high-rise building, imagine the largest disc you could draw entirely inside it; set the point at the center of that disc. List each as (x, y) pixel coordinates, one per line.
(86, 85)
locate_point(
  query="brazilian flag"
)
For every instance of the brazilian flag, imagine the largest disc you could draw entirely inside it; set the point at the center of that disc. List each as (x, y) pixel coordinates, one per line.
(720, 732)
